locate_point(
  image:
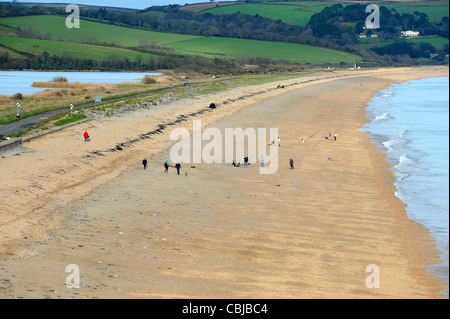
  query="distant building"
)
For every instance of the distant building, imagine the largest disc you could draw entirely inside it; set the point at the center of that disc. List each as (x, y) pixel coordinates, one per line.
(410, 33)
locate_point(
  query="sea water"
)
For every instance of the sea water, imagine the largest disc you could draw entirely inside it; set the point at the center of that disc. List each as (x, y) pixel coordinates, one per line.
(409, 121)
(12, 82)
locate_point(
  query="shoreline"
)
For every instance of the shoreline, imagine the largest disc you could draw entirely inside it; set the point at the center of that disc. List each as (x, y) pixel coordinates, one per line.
(439, 270)
(46, 221)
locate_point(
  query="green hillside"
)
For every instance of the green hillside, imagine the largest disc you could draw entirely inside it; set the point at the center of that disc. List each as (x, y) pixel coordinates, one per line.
(298, 13)
(277, 51)
(78, 50)
(53, 27)
(435, 10)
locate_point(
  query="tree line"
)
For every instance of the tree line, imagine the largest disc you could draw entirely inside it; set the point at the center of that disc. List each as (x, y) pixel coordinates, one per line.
(199, 64)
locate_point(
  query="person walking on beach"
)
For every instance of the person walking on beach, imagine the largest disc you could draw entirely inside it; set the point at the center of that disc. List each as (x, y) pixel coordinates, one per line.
(279, 141)
(245, 161)
(335, 136)
(291, 163)
(262, 161)
(144, 162)
(178, 167)
(166, 167)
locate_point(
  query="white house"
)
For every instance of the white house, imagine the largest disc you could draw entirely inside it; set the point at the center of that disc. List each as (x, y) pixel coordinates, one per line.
(410, 33)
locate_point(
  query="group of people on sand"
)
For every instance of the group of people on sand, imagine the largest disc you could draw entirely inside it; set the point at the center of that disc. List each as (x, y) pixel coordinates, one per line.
(166, 166)
(273, 142)
(238, 164)
(334, 137)
(247, 163)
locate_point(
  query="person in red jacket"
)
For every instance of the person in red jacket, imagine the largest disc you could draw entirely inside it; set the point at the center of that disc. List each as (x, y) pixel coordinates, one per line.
(86, 137)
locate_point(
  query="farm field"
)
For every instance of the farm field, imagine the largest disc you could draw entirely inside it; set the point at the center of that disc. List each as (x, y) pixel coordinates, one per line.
(435, 10)
(11, 53)
(55, 28)
(437, 42)
(299, 13)
(78, 50)
(205, 46)
(277, 51)
(291, 14)
(197, 7)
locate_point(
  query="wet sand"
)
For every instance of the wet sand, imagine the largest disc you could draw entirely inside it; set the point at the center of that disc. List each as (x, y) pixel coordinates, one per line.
(220, 231)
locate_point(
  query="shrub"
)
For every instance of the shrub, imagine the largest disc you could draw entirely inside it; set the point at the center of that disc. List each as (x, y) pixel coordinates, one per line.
(148, 80)
(17, 96)
(59, 79)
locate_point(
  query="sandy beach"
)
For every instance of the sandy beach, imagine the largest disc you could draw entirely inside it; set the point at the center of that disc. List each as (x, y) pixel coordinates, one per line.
(219, 231)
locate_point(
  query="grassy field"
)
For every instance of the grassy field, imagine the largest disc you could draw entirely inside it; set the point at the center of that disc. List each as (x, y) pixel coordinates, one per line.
(197, 7)
(295, 15)
(299, 13)
(277, 51)
(209, 47)
(55, 28)
(78, 50)
(435, 10)
(12, 54)
(437, 42)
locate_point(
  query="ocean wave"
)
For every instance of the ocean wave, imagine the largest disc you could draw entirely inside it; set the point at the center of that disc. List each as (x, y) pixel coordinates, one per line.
(385, 116)
(391, 143)
(401, 176)
(403, 133)
(396, 143)
(406, 160)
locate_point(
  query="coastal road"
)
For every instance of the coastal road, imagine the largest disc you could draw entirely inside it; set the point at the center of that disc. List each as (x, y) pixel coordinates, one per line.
(25, 123)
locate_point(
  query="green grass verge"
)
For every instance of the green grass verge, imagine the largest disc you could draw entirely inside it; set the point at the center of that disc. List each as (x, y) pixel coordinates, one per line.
(69, 119)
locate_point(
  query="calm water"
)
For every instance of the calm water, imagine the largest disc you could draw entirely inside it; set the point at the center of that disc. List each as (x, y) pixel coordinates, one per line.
(410, 122)
(12, 82)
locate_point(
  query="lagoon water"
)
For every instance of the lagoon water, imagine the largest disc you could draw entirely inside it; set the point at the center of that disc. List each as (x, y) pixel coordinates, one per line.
(12, 82)
(410, 123)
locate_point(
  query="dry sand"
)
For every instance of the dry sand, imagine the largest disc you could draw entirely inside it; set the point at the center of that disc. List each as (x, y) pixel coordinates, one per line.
(220, 231)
